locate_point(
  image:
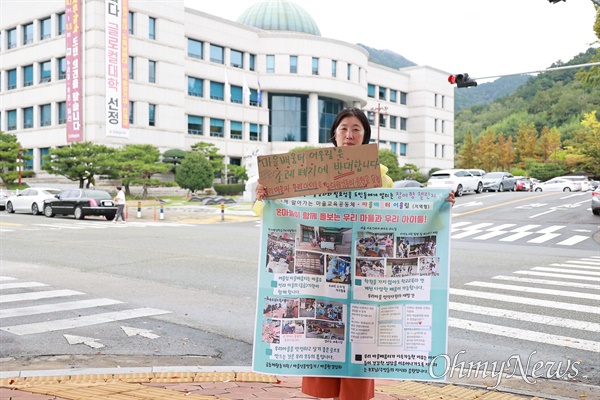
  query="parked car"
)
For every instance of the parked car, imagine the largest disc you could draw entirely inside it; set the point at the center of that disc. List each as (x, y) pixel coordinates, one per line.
(407, 183)
(30, 200)
(558, 185)
(593, 184)
(583, 180)
(5, 194)
(477, 172)
(460, 180)
(596, 202)
(534, 183)
(524, 183)
(499, 182)
(80, 203)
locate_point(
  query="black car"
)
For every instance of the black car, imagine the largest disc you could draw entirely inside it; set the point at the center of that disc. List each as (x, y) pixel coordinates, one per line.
(81, 202)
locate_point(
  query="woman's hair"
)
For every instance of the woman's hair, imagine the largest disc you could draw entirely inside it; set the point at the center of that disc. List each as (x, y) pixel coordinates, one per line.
(351, 112)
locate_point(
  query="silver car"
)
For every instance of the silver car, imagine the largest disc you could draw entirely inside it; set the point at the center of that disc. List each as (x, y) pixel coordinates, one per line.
(4, 194)
(499, 182)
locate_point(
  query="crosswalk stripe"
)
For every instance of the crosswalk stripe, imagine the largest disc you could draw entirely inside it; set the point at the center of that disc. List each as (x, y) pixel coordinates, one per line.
(550, 229)
(489, 235)
(59, 226)
(572, 240)
(465, 233)
(48, 294)
(526, 289)
(20, 285)
(500, 227)
(523, 334)
(529, 317)
(576, 266)
(48, 308)
(7, 278)
(516, 236)
(547, 282)
(571, 271)
(459, 224)
(525, 228)
(544, 238)
(526, 300)
(563, 276)
(584, 261)
(70, 323)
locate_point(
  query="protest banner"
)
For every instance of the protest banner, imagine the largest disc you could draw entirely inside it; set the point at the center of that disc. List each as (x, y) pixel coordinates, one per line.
(354, 284)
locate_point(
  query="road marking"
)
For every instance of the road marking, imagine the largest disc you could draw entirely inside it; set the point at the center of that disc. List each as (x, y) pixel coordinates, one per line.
(20, 285)
(563, 276)
(544, 238)
(465, 233)
(490, 235)
(9, 298)
(516, 236)
(582, 261)
(529, 317)
(7, 278)
(550, 229)
(459, 224)
(574, 266)
(573, 240)
(588, 260)
(88, 341)
(522, 334)
(501, 204)
(526, 289)
(572, 271)
(78, 322)
(547, 282)
(59, 226)
(526, 300)
(49, 308)
(147, 333)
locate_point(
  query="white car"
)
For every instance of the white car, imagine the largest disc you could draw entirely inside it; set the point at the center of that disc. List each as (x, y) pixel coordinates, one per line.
(30, 200)
(459, 180)
(558, 185)
(583, 181)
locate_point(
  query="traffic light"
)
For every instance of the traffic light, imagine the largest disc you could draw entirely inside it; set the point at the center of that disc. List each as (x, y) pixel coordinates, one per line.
(461, 80)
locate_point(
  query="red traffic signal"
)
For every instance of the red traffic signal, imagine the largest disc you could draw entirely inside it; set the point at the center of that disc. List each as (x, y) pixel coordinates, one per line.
(462, 80)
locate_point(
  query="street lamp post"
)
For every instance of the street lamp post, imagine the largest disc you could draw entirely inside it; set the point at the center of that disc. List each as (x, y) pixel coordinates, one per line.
(376, 113)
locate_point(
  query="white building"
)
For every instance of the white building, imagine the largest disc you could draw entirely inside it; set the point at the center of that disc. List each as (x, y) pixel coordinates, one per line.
(184, 64)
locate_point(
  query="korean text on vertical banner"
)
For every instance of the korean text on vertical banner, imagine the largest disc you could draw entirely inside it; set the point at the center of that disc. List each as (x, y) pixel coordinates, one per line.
(117, 68)
(74, 70)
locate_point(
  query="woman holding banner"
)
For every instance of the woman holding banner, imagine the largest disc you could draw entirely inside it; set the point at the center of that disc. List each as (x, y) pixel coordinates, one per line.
(350, 128)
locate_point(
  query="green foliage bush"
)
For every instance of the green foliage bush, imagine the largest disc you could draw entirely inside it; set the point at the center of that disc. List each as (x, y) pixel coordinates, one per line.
(231, 189)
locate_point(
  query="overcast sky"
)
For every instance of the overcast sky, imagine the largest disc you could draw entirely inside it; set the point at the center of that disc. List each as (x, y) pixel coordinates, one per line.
(480, 37)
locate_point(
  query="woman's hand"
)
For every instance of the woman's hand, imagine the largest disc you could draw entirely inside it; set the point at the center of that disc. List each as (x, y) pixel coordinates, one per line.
(261, 191)
(450, 198)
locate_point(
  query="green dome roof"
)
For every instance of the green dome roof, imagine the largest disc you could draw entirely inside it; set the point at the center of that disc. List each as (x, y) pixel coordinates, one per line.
(279, 15)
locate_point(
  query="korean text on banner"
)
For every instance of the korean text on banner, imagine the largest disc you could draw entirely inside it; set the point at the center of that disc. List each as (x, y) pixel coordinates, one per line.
(74, 70)
(117, 68)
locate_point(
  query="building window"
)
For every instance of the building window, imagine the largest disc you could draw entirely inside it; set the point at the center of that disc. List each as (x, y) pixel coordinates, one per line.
(403, 149)
(11, 82)
(371, 90)
(28, 33)
(435, 125)
(11, 120)
(289, 118)
(254, 134)
(443, 101)
(382, 91)
(62, 112)
(402, 123)
(195, 87)
(28, 118)
(293, 64)
(61, 22)
(130, 67)
(151, 71)
(443, 150)
(11, 38)
(403, 98)
(435, 150)
(217, 91)
(45, 72)
(334, 68)
(237, 59)
(195, 124)
(217, 54)
(237, 94)
(328, 109)
(194, 48)
(349, 72)
(45, 28)
(393, 147)
(130, 22)
(152, 114)
(45, 115)
(236, 130)
(270, 64)
(254, 100)
(152, 28)
(393, 120)
(252, 61)
(131, 112)
(393, 96)
(443, 126)
(315, 66)
(217, 127)
(44, 153)
(62, 67)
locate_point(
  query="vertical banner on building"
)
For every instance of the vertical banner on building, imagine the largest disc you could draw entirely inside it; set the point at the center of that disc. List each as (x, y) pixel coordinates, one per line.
(74, 72)
(117, 68)
(354, 284)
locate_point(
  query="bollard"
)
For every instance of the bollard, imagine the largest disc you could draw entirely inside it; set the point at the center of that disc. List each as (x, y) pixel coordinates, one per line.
(222, 211)
(139, 215)
(162, 211)
(126, 211)
(154, 213)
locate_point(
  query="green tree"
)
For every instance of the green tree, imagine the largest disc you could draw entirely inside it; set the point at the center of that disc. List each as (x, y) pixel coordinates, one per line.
(211, 152)
(81, 161)
(466, 157)
(526, 144)
(505, 152)
(9, 158)
(173, 157)
(487, 151)
(137, 163)
(390, 160)
(238, 172)
(195, 172)
(586, 142)
(591, 76)
(549, 141)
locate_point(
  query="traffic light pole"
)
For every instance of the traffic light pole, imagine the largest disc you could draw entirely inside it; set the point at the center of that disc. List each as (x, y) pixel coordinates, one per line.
(543, 70)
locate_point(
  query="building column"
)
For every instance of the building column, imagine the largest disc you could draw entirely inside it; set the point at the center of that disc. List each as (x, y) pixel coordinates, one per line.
(313, 119)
